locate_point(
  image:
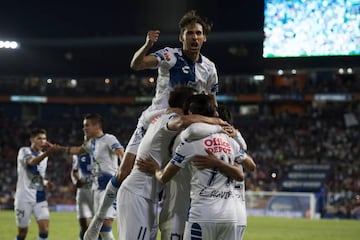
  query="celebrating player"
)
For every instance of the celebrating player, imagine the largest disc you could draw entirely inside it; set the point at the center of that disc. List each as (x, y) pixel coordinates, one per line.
(105, 151)
(30, 194)
(176, 66)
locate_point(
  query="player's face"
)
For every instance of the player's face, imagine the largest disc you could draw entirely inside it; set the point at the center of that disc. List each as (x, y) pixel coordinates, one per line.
(193, 38)
(38, 142)
(89, 128)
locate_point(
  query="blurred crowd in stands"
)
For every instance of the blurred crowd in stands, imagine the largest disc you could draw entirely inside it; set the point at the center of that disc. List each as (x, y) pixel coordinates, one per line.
(319, 135)
(283, 82)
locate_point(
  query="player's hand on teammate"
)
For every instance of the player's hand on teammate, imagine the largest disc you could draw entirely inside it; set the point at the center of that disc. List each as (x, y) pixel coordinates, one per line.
(152, 37)
(148, 165)
(206, 161)
(229, 130)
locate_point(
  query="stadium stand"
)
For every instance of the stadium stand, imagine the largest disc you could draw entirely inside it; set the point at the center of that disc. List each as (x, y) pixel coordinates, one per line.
(318, 132)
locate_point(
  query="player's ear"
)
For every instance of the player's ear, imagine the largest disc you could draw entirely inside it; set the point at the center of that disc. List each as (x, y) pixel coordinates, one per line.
(205, 38)
(181, 38)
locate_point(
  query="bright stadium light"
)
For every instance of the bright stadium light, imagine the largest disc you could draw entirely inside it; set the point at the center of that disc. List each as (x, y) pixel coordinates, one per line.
(9, 44)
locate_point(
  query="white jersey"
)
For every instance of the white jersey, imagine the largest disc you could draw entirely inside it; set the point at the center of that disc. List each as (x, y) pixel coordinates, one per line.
(154, 144)
(175, 69)
(30, 182)
(213, 198)
(177, 191)
(241, 206)
(104, 158)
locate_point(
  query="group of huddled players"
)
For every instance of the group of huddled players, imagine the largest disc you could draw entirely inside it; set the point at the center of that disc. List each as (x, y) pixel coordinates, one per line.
(184, 158)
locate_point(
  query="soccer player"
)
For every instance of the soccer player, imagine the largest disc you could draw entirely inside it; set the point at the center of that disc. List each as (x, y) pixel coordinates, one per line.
(210, 160)
(176, 66)
(105, 152)
(81, 177)
(213, 198)
(30, 196)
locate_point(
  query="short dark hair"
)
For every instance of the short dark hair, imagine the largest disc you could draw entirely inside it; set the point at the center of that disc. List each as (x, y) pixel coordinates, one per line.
(179, 95)
(201, 104)
(35, 131)
(191, 17)
(225, 114)
(95, 118)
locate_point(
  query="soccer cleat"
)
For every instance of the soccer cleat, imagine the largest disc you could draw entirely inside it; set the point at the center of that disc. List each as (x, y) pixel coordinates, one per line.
(92, 233)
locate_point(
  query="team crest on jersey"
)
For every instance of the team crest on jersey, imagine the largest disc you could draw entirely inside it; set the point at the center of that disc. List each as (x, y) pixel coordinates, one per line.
(185, 69)
(167, 56)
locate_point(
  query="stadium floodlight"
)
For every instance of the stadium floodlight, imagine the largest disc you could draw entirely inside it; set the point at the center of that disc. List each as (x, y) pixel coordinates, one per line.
(9, 44)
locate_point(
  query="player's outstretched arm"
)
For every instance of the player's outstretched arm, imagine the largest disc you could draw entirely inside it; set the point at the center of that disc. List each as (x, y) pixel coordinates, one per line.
(184, 121)
(72, 150)
(49, 148)
(249, 163)
(152, 167)
(233, 171)
(140, 59)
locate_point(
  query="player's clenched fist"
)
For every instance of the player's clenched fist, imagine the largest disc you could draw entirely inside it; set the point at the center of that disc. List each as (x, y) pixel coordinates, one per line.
(152, 37)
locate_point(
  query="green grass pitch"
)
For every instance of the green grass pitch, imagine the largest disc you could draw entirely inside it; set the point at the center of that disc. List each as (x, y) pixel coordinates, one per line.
(65, 226)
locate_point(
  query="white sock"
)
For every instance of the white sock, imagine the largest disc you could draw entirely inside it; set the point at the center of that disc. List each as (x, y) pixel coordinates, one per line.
(108, 200)
(107, 235)
(43, 237)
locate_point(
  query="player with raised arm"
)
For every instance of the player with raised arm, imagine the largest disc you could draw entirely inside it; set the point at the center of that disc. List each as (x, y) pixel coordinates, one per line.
(81, 176)
(30, 196)
(105, 152)
(184, 66)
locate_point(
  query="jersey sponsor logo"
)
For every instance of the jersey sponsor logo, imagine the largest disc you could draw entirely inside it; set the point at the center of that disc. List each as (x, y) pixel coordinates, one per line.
(213, 193)
(216, 145)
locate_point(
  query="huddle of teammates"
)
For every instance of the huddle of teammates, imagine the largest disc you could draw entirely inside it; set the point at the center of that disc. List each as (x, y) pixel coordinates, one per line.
(183, 153)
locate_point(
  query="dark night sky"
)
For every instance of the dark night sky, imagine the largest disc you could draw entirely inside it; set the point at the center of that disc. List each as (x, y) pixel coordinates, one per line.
(59, 19)
(102, 36)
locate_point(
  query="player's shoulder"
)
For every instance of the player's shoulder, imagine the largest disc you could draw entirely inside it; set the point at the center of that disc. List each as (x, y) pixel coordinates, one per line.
(107, 137)
(24, 150)
(167, 51)
(207, 61)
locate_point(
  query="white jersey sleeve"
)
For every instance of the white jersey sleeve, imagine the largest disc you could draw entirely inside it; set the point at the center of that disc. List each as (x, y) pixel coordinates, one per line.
(155, 144)
(199, 130)
(240, 140)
